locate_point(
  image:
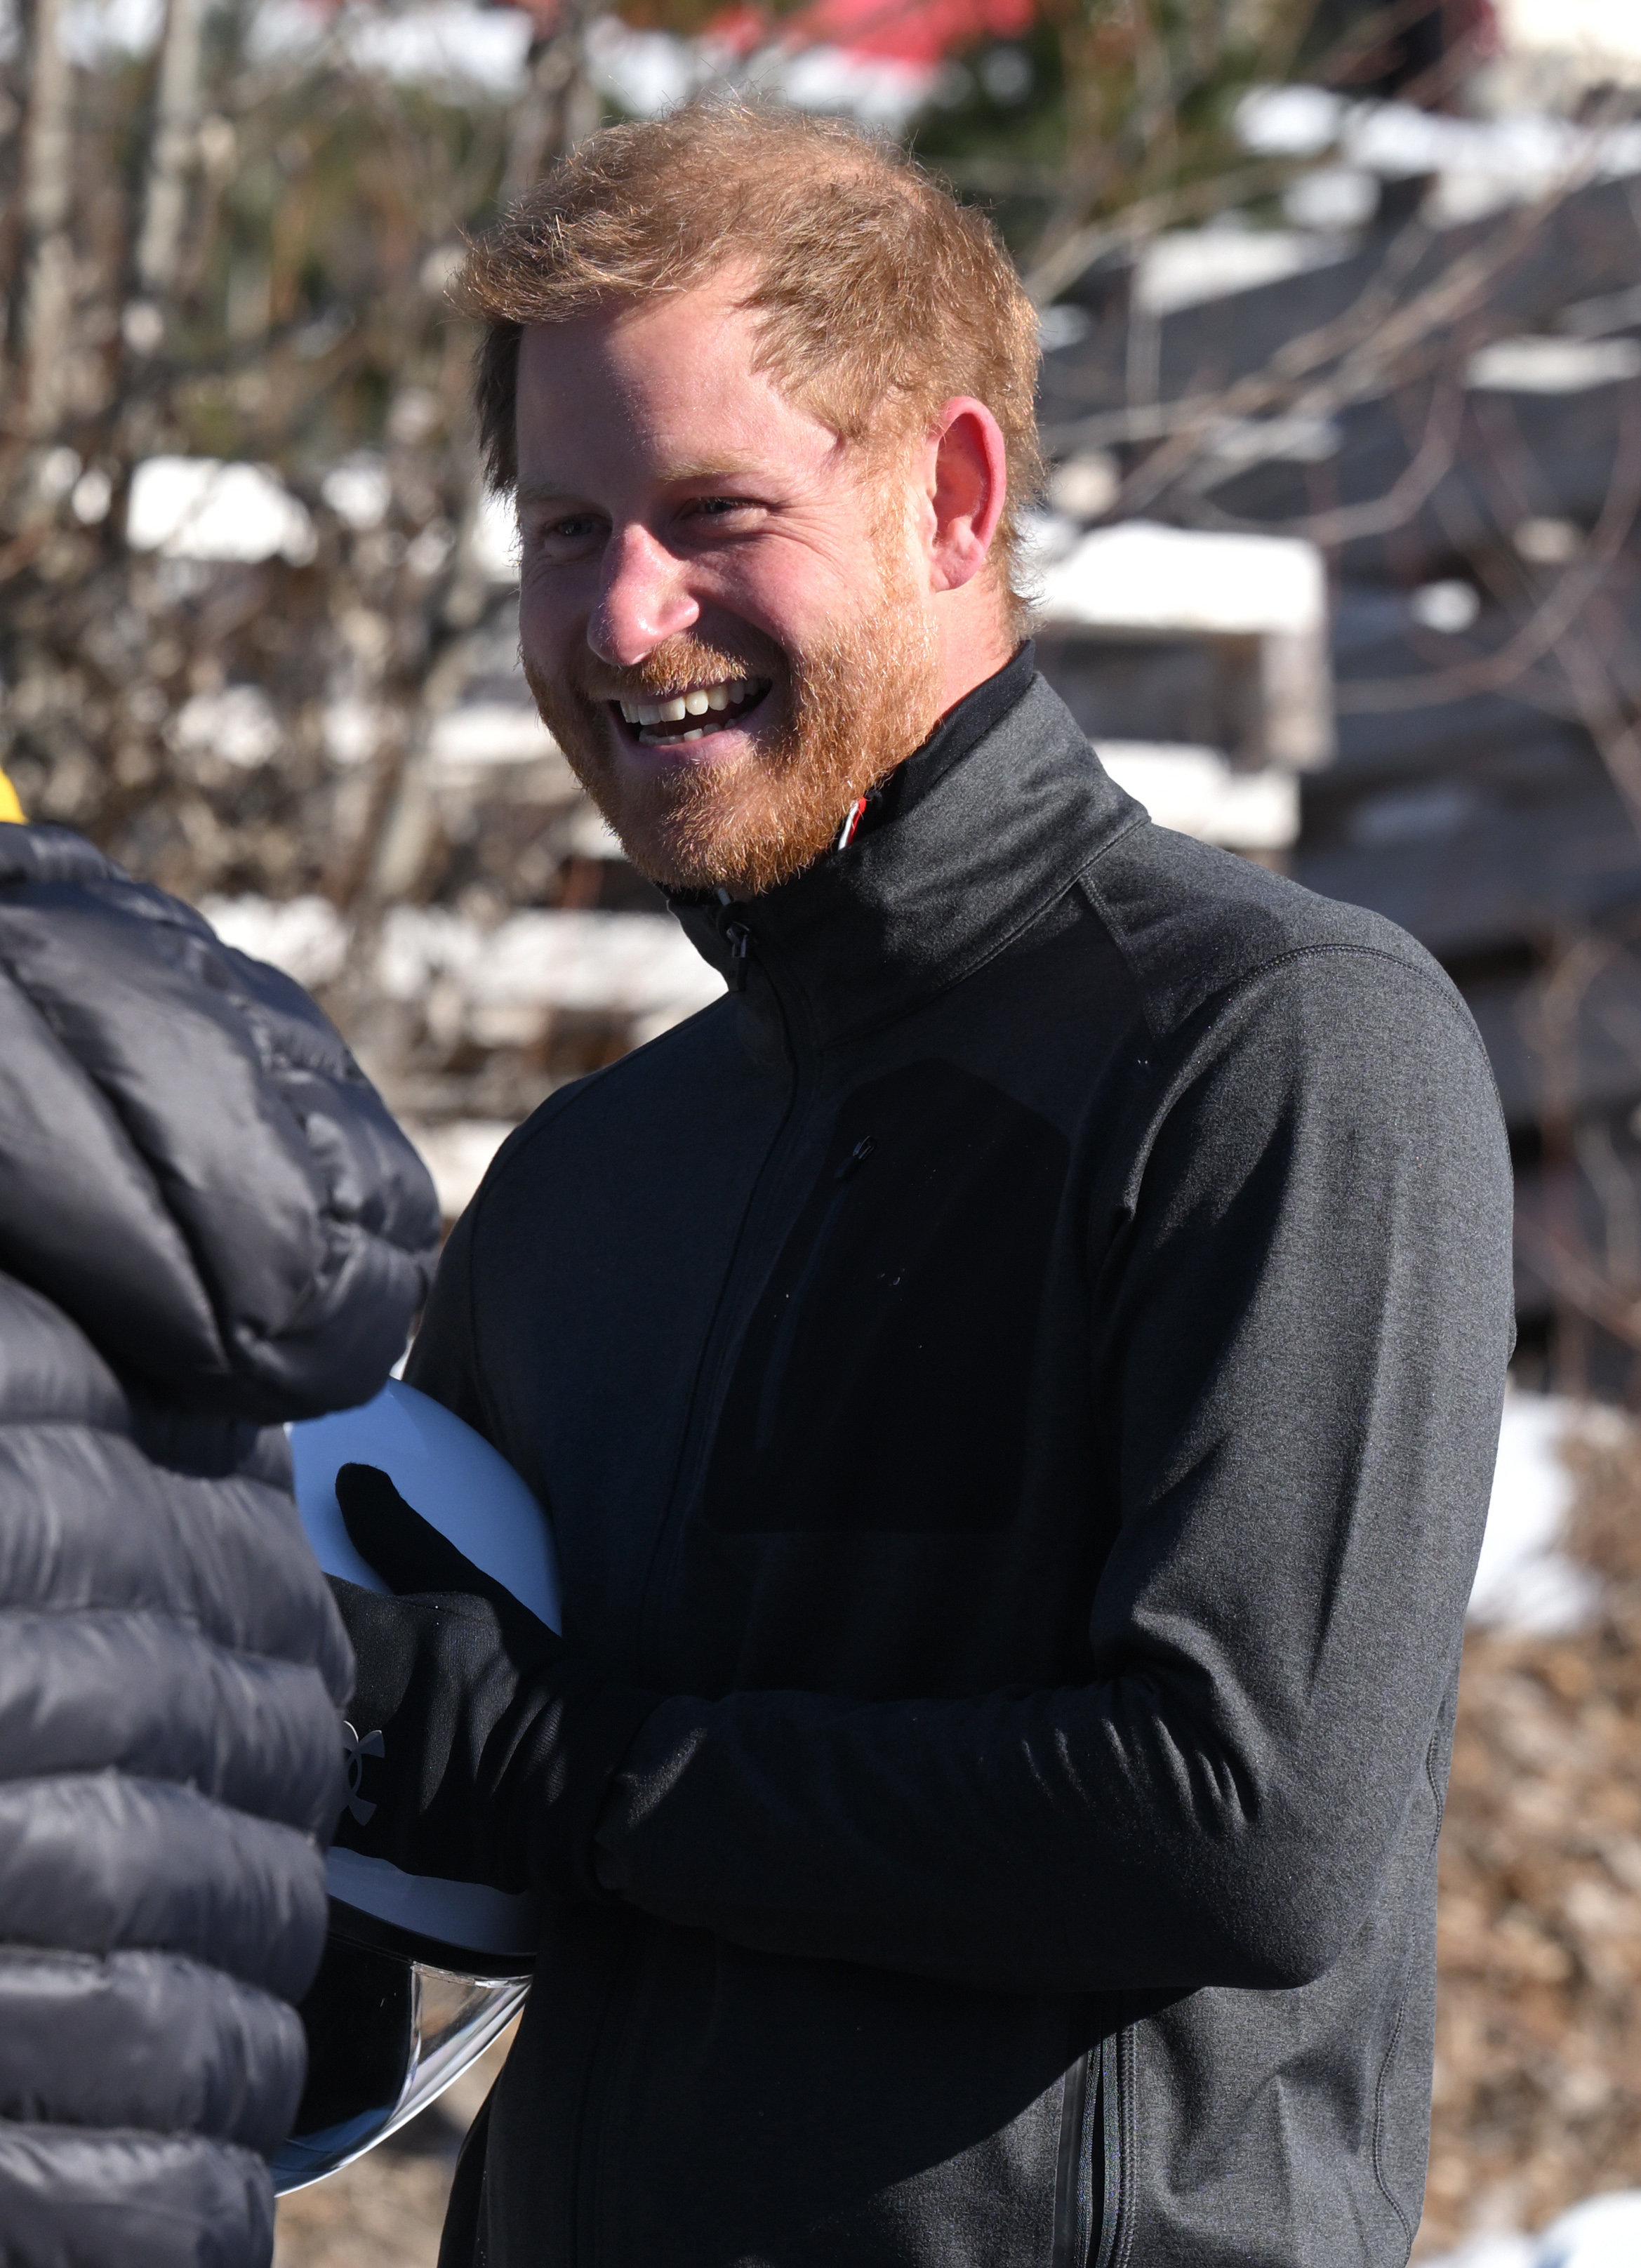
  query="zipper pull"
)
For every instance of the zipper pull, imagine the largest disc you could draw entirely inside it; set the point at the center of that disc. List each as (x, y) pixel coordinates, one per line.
(856, 813)
(855, 1159)
(737, 937)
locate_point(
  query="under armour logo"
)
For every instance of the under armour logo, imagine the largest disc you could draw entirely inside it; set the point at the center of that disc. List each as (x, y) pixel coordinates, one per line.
(356, 1750)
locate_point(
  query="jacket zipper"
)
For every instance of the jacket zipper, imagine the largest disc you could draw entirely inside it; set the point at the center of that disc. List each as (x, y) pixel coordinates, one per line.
(737, 937)
(1116, 2108)
(694, 1442)
(722, 1339)
(1073, 2206)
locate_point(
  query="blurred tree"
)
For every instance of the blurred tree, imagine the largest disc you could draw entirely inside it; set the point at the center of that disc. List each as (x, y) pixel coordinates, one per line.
(1109, 118)
(235, 248)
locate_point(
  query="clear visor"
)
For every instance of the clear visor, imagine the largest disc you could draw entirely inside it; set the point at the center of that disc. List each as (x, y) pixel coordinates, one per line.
(387, 2034)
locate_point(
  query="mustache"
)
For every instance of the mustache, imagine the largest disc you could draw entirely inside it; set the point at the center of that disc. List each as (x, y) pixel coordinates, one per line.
(673, 666)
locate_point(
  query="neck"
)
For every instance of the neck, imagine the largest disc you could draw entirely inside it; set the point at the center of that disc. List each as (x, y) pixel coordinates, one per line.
(974, 637)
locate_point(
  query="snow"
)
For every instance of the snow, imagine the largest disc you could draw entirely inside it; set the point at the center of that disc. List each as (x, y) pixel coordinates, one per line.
(479, 733)
(1142, 576)
(877, 90)
(353, 729)
(504, 979)
(1085, 486)
(1186, 266)
(1331, 199)
(238, 724)
(494, 539)
(1448, 608)
(359, 489)
(649, 72)
(1534, 149)
(1604, 2232)
(640, 967)
(1599, 31)
(1525, 1581)
(1547, 365)
(1490, 2251)
(97, 32)
(1289, 122)
(305, 937)
(203, 508)
(1195, 792)
(449, 45)
(645, 72)
(444, 45)
(1479, 165)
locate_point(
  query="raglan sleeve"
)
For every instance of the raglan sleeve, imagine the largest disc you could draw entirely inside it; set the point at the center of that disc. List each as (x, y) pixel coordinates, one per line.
(1299, 1313)
(442, 1361)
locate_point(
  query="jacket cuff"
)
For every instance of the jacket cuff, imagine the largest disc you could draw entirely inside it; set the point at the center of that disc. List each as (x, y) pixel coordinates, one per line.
(608, 1723)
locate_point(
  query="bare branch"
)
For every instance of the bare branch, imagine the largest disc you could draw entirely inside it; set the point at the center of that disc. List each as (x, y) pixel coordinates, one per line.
(172, 150)
(1575, 1279)
(48, 262)
(1379, 515)
(1566, 599)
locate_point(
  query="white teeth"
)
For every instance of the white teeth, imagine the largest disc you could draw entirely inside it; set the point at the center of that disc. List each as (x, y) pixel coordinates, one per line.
(696, 733)
(700, 702)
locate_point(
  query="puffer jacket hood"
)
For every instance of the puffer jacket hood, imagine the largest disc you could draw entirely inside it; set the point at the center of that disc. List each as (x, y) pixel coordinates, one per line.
(209, 1223)
(191, 1163)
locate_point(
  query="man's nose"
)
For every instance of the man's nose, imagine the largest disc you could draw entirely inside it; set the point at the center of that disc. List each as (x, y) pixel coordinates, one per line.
(643, 599)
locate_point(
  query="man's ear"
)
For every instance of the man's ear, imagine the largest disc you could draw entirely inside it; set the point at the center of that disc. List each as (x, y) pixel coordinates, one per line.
(967, 477)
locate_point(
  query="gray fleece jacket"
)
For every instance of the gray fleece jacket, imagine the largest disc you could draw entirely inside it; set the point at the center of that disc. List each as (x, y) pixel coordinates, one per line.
(1022, 1375)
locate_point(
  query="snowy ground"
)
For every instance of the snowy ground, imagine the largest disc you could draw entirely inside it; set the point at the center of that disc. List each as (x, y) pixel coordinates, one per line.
(1603, 2233)
(1525, 1582)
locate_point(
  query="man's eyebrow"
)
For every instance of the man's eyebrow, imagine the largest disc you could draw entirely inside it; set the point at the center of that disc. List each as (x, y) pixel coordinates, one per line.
(529, 492)
(712, 468)
(707, 468)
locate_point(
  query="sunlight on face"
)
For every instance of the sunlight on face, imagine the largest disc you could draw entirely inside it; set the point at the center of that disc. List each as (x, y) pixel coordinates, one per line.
(724, 617)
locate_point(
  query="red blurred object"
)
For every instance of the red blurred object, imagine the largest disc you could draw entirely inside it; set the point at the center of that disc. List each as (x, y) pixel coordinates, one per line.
(918, 33)
(923, 32)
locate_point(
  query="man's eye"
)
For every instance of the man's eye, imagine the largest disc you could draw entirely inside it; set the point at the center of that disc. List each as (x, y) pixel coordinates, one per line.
(719, 507)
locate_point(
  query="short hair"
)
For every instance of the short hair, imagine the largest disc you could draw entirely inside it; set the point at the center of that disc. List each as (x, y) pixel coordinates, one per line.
(881, 296)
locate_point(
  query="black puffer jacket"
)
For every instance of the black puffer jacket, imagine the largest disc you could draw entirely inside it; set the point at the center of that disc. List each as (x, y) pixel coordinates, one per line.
(208, 1224)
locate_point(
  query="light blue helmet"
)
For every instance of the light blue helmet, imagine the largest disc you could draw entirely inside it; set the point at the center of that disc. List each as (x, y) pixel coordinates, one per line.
(420, 1974)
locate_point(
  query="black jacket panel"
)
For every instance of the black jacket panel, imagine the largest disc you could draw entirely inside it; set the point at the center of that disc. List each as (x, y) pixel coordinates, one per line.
(207, 1223)
(1024, 1374)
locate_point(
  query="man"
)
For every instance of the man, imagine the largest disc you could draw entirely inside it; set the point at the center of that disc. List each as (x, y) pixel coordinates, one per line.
(1015, 1384)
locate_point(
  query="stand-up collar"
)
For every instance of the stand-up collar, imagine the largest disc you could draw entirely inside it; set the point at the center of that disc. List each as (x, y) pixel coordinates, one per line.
(970, 840)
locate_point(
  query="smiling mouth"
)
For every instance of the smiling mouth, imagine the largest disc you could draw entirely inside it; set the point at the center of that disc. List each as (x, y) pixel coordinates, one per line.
(669, 719)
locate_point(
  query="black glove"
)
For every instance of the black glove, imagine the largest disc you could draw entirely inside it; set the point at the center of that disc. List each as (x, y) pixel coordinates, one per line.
(486, 1745)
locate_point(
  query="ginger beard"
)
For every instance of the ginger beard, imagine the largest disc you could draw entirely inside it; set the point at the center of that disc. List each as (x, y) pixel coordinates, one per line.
(842, 712)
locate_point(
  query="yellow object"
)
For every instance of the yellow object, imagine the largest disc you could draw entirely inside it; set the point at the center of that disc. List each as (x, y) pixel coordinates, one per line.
(9, 807)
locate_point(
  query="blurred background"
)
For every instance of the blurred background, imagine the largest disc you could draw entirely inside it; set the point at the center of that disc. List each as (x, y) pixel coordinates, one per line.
(1341, 306)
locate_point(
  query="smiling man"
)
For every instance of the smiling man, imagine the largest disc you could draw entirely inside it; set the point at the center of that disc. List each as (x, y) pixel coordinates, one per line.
(775, 626)
(1015, 1384)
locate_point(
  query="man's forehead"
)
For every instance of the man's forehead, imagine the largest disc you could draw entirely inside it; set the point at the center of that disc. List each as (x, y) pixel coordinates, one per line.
(659, 352)
(675, 383)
